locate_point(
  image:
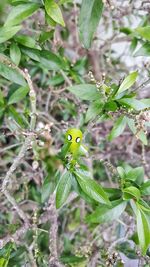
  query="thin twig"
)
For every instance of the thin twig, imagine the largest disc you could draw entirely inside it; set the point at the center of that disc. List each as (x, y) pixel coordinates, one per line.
(11, 238)
(142, 85)
(27, 142)
(66, 78)
(9, 147)
(54, 257)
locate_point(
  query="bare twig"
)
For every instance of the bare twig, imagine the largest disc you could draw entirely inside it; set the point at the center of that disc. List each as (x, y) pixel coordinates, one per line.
(68, 81)
(9, 147)
(11, 238)
(142, 85)
(54, 257)
(27, 141)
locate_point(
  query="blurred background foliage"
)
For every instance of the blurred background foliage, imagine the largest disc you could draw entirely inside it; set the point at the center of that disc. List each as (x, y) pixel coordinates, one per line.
(88, 62)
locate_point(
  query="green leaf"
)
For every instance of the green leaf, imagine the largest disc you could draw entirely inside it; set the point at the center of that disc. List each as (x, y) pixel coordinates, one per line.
(143, 228)
(72, 260)
(94, 109)
(91, 188)
(85, 91)
(127, 82)
(107, 214)
(144, 206)
(61, 2)
(121, 172)
(110, 106)
(3, 262)
(113, 193)
(63, 189)
(7, 33)
(5, 255)
(49, 20)
(145, 188)
(45, 36)
(144, 50)
(2, 111)
(144, 32)
(11, 74)
(136, 174)
(18, 95)
(51, 61)
(90, 14)
(53, 10)
(131, 192)
(20, 13)
(25, 40)
(133, 44)
(19, 118)
(77, 188)
(56, 80)
(64, 150)
(134, 103)
(118, 128)
(1, 98)
(47, 59)
(31, 53)
(15, 53)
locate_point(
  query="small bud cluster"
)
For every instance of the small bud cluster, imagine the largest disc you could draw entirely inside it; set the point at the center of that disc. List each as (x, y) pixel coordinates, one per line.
(113, 258)
(35, 235)
(97, 83)
(110, 167)
(141, 119)
(84, 251)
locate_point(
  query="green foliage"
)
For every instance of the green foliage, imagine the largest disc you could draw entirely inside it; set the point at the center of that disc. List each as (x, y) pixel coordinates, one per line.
(63, 189)
(127, 82)
(91, 188)
(131, 192)
(144, 50)
(90, 15)
(54, 12)
(20, 13)
(143, 228)
(145, 188)
(144, 32)
(60, 72)
(106, 214)
(118, 128)
(5, 255)
(15, 53)
(85, 91)
(94, 109)
(7, 33)
(11, 74)
(18, 95)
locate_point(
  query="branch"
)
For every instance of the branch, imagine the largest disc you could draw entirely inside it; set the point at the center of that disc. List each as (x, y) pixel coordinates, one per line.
(54, 257)
(13, 238)
(27, 142)
(142, 85)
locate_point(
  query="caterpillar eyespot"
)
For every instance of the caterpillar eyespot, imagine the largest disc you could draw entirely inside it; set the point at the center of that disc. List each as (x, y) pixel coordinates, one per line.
(73, 137)
(69, 137)
(77, 139)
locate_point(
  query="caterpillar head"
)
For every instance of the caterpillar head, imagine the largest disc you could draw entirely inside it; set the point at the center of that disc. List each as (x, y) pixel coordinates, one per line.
(74, 135)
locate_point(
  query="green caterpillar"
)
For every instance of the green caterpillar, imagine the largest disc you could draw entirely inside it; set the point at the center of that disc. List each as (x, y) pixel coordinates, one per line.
(74, 137)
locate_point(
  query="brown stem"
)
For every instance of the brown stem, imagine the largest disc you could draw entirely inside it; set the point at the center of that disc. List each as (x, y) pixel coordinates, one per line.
(53, 234)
